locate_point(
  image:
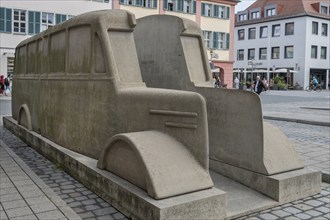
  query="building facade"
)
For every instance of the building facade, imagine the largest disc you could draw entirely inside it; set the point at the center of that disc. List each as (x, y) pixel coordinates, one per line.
(22, 19)
(284, 38)
(215, 18)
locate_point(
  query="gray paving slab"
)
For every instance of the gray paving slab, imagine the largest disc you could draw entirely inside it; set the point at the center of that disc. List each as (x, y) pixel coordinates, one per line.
(15, 200)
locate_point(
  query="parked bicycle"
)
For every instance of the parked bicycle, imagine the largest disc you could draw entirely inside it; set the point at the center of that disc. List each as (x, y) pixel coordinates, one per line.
(317, 88)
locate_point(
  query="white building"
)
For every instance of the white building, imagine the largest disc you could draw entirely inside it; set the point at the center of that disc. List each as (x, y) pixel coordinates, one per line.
(22, 19)
(285, 38)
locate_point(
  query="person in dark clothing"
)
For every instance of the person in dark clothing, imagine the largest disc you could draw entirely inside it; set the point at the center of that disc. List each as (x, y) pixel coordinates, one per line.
(258, 85)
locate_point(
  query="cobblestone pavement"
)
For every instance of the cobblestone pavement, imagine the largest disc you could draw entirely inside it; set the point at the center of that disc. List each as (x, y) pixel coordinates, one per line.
(87, 205)
(311, 142)
(84, 202)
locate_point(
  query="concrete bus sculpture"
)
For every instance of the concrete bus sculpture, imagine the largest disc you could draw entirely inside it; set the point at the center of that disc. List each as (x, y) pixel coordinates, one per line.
(79, 85)
(172, 55)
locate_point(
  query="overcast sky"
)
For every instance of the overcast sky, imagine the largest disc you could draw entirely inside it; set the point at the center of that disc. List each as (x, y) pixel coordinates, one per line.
(243, 5)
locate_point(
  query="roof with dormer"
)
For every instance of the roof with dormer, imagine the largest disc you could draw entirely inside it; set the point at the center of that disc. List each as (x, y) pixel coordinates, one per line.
(285, 9)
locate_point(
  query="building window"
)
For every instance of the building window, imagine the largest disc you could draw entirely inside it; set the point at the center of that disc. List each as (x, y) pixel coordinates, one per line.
(263, 54)
(275, 52)
(241, 34)
(47, 20)
(314, 52)
(34, 22)
(219, 41)
(19, 21)
(271, 12)
(242, 17)
(252, 33)
(142, 3)
(324, 10)
(207, 38)
(324, 30)
(276, 31)
(255, 15)
(5, 20)
(60, 18)
(323, 53)
(206, 9)
(289, 28)
(264, 32)
(10, 66)
(251, 54)
(240, 55)
(217, 11)
(288, 52)
(315, 28)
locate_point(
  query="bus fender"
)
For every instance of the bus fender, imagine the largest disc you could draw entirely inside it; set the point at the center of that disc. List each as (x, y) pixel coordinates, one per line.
(155, 162)
(24, 117)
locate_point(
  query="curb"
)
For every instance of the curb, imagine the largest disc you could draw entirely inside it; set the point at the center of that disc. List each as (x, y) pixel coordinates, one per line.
(319, 123)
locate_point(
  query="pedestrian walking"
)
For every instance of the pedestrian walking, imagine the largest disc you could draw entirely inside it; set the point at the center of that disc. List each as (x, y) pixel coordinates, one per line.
(258, 85)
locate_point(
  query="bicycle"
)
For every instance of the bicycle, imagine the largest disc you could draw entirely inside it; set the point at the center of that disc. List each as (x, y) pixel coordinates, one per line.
(311, 87)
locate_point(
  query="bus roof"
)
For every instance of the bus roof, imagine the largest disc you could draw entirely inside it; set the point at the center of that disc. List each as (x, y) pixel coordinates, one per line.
(109, 19)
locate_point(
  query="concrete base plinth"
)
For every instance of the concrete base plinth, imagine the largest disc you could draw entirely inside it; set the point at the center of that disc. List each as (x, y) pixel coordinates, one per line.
(283, 187)
(129, 199)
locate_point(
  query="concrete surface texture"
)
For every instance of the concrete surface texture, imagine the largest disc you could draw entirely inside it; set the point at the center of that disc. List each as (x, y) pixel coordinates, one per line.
(310, 141)
(240, 142)
(89, 206)
(89, 89)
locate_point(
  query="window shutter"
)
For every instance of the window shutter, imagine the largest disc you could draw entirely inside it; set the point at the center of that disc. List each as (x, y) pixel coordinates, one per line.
(203, 9)
(31, 23)
(215, 40)
(155, 4)
(37, 22)
(228, 12)
(180, 5)
(165, 4)
(227, 41)
(8, 20)
(58, 18)
(194, 7)
(216, 11)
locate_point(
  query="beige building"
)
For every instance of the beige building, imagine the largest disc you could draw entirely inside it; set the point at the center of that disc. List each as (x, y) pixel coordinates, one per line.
(215, 17)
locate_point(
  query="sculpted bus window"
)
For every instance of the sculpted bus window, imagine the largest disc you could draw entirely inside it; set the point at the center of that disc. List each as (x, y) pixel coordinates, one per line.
(42, 63)
(99, 61)
(57, 52)
(79, 49)
(21, 60)
(32, 58)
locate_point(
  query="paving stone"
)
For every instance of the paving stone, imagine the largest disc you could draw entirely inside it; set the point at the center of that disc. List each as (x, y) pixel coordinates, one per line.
(105, 211)
(26, 217)
(7, 191)
(88, 202)
(92, 207)
(14, 204)
(303, 216)
(281, 213)
(74, 204)
(303, 206)
(38, 208)
(85, 215)
(118, 216)
(81, 198)
(106, 217)
(3, 215)
(10, 197)
(292, 210)
(314, 203)
(313, 213)
(18, 212)
(55, 214)
(37, 200)
(323, 209)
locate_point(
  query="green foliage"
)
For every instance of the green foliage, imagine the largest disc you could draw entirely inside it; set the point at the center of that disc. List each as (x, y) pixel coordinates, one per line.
(280, 82)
